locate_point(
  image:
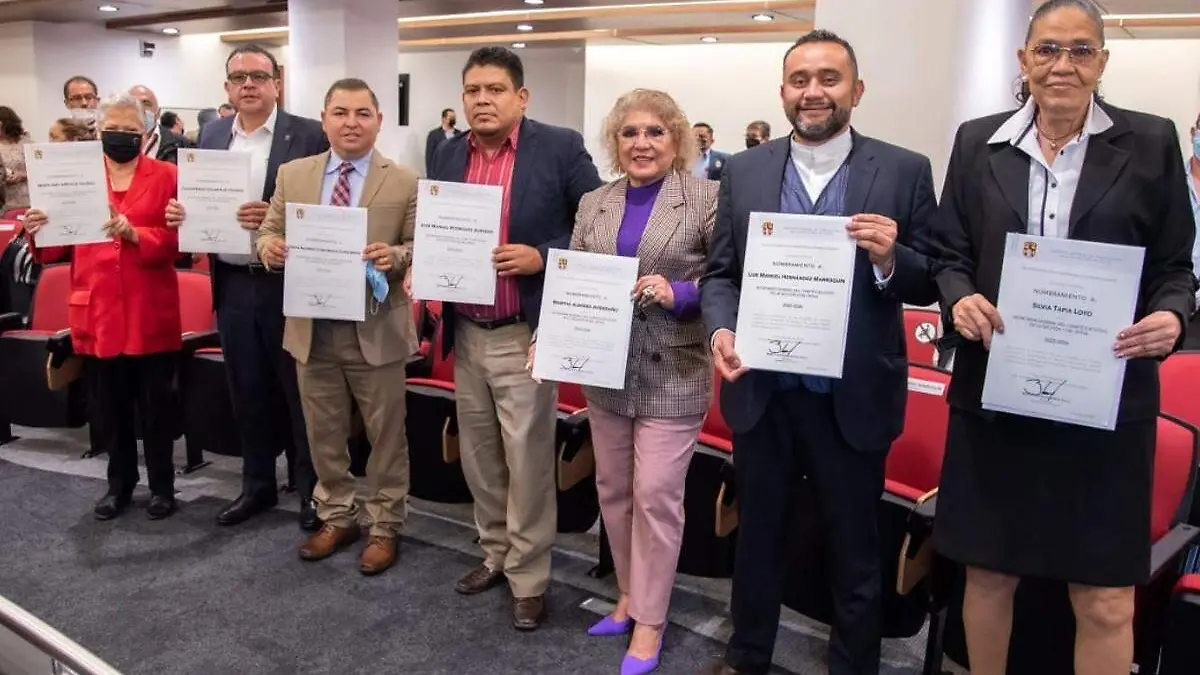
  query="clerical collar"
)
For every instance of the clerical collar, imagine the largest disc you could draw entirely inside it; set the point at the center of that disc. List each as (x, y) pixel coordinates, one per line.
(827, 156)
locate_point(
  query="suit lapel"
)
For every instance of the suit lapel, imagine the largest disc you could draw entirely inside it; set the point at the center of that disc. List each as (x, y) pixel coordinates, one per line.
(664, 220)
(281, 147)
(374, 179)
(527, 140)
(862, 174)
(314, 180)
(1010, 168)
(607, 222)
(1101, 166)
(771, 183)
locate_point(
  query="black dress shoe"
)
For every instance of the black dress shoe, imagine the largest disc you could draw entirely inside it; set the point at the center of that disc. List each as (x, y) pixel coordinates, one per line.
(160, 507)
(110, 506)
(308, 516)
(246, 507)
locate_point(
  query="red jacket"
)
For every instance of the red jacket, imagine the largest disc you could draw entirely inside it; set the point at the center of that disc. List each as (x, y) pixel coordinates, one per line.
(125, 296)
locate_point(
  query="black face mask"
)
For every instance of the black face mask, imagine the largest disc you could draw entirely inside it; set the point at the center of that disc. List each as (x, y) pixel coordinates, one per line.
(121, 147)
(751, 142)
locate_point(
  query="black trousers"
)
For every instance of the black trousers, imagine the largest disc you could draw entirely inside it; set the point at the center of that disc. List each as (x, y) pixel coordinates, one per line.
(798, 436)
(119, 384)
(262, 378)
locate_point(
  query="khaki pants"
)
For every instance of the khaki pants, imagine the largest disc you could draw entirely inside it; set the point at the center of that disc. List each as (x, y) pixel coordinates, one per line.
(506, 425)
(335, 372)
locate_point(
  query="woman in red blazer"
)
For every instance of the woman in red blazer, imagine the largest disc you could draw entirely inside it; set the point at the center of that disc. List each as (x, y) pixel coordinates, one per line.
(124, 313)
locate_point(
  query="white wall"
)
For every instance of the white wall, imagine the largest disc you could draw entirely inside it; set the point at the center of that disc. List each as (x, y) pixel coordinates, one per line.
(18, 86)
(1156, 76)
(724, 85)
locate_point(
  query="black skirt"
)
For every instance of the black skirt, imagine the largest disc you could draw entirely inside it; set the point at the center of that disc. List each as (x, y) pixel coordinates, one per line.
(1033, 498)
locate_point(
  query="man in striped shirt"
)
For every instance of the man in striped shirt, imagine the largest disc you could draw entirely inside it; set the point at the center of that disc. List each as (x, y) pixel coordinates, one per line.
(506, 420)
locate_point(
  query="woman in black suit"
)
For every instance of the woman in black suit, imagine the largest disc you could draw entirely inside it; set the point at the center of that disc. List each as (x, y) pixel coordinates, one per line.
(1027, 497)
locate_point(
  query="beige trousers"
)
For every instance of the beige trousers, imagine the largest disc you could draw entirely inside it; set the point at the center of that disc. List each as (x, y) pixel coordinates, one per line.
(506, 425)
(335, 372)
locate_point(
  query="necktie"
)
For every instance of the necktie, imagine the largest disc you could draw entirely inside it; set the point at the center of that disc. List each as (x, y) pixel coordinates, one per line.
(341, 190)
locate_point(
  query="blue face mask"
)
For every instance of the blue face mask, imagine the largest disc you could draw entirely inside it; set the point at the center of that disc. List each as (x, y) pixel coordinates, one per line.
(151, 121)
(1196, 145)
(377, 281)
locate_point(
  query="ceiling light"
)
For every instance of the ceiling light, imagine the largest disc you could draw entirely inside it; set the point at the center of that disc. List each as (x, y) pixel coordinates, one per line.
(109, 8)
(708, 38)
(763, 17)
(534, 2)
(170, 31)
(524, 27)
(518, 45)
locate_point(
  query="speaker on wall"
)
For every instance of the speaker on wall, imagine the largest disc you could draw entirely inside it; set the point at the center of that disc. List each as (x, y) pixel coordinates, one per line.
(402, 111)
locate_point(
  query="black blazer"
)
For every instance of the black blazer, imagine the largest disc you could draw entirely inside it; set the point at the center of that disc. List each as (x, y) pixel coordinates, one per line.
(294, 137)
(169, 144)
(552, 173)
(433, 139)
(1133, 191)
(884, 179)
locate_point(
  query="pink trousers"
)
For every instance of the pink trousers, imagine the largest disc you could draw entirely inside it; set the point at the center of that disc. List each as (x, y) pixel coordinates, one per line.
(641, 465)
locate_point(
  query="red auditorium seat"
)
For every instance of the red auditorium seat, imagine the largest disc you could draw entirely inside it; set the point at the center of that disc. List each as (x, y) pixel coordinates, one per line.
(921, 330)
(8, 230)
(710, 499)
(436, 472)
(13, 214)
(25, 398)
(1043, 625)
(575, 470)
(1179, 384)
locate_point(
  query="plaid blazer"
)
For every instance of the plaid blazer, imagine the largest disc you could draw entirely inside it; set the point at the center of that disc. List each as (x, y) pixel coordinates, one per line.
(669, 372)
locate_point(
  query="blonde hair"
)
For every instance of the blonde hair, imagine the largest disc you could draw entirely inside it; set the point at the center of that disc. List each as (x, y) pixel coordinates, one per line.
(661, 105)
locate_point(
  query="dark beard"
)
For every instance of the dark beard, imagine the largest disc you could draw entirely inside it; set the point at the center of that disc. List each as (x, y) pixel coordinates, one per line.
(838, 119)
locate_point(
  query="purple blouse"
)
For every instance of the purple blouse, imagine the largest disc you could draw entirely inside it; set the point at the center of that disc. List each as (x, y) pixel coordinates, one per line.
(639, 202)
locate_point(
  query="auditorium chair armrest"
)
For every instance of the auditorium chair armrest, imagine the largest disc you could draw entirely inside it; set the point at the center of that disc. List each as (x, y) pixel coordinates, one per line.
(926, 509)
(431, 388)
(916, 551)
(577, 434)
(194, 342)
(1166, 551)
(11, 321)
(60, 348)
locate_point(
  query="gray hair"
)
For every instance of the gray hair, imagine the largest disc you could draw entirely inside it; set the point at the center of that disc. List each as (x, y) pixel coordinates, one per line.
(1088, 7)
(124, 100)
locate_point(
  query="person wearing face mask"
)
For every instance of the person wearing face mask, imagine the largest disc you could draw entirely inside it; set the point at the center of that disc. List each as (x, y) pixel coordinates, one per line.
(1192, 341)
(835, 431)
(124, 312)
(757, 133)
(644, 434)
(161, 142)
(438, 135)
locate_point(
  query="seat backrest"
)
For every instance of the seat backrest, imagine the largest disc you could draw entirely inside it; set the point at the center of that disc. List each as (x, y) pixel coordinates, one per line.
(13, 214)
(714, 422)
(915, 459)
(195, 302)
(1179, 384)
(202, 265)
(570, 397)
(50, 296)
(920, 330)
(8, 230)
(442, 369)
(1177, 445)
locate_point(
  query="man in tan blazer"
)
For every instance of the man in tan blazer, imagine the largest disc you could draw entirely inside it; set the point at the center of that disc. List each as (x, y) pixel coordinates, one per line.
(368, 356)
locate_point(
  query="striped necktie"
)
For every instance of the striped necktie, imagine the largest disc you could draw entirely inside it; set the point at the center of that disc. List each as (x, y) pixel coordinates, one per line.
(341, 191)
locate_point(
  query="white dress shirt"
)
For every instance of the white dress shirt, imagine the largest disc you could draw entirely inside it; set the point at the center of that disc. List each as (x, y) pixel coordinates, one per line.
(258, 144)
(1051, 186)
(818, 164)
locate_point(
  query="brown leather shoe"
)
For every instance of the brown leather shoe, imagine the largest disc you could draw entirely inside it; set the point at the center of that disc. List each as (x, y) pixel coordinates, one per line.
(528, 613)
(720, 668)
(378, 555)
(479, 580)
(327, 541)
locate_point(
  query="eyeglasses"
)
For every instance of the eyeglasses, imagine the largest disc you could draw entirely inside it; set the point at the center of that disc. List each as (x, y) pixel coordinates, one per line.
(255, 76)
(83, 98)
(652, 133)
(1048, 52)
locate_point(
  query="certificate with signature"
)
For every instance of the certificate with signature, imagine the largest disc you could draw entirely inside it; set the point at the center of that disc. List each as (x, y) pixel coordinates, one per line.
(795, 301)
(1063, 303)
(67, 181)
(212, 185)
(587, 313)
(458, 227)
(325, 276)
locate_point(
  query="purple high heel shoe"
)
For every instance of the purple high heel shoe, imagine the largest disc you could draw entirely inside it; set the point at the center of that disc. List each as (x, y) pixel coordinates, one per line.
(607, 627)
(632, 665)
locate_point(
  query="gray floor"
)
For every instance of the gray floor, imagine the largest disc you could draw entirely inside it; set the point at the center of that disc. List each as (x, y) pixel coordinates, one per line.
(184, 596)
